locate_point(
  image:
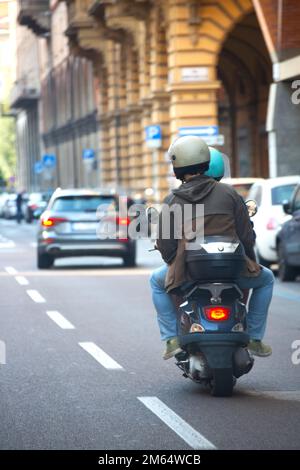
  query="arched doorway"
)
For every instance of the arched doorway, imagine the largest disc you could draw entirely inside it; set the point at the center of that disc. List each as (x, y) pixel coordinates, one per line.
(245, 71)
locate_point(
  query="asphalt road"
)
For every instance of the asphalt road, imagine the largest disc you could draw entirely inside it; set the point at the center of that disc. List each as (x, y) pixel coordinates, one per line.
(84, 369)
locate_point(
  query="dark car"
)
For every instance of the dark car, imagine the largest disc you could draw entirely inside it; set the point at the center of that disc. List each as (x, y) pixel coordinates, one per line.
(70, 226)
(288, 240)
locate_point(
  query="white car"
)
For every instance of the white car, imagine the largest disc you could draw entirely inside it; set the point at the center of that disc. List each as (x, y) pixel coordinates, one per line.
(270, 195)
(242, 185)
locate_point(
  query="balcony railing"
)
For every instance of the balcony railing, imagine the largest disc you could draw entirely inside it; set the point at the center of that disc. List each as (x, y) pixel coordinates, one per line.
(35, 14)
(23, 95)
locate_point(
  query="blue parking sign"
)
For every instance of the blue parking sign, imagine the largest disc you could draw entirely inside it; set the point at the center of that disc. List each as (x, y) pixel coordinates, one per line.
(49, 161)
(88, 154)
(153, 136)
(38, 168)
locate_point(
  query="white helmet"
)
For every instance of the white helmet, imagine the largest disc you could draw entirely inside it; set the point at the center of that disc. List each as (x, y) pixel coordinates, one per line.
(188, 152)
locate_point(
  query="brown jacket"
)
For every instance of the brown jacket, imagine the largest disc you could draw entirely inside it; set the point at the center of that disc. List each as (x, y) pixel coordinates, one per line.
(225, 213)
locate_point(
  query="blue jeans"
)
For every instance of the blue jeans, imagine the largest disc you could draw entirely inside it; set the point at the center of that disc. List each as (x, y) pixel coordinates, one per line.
(260, 300)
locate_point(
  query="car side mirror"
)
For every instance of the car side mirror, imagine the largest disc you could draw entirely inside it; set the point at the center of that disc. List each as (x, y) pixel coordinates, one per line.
(287, 207)
(252, 207)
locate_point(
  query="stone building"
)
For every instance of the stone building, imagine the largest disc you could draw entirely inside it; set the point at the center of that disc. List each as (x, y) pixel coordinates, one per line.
(55, 99)
(182, 65)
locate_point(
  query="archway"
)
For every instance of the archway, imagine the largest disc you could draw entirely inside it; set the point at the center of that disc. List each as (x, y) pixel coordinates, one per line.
(245, 71)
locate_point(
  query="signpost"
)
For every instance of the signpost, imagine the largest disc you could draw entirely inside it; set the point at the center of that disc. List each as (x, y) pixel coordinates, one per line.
(153, 136)
(208, 133)
(88, 154)
(49, 161)
(38, 168)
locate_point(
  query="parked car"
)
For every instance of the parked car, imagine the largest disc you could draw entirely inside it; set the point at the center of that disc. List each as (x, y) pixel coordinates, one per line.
(242, 185)
(10, 207)
(270, 195)
(3, 198)
(288, 240)
(70, 224)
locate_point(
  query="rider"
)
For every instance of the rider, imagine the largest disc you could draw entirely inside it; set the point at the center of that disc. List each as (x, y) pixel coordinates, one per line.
(225, 213)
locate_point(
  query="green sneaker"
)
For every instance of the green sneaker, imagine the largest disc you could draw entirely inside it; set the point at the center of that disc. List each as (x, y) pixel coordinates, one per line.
(172, 348)
(258, 348)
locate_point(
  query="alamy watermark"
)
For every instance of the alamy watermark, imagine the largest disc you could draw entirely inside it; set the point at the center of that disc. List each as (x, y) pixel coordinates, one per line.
(296, 354)
(137, 221)
(295, 98)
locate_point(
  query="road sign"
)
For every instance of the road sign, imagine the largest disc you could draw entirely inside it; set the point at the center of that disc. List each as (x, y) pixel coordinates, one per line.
(38, 168)
(49, 161)
(153, 136)
(210, 134)
(201, 131)
(214, 139)
(88, 154)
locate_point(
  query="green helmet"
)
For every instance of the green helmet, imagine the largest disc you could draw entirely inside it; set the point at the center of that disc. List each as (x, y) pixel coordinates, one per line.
(216, 166)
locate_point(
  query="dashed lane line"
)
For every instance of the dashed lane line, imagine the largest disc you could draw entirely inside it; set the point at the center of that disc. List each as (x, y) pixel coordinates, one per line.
(22, 280)
(100, 356)
(192, 437)
(60, 320)
(11, 270)
(36, 296)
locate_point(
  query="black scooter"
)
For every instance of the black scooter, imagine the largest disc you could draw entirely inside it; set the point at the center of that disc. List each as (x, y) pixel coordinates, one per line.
(212, 319)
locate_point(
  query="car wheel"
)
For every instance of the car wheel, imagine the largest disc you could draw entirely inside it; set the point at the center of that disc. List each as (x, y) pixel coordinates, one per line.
(130, 259)
(44, 261)
(285, 272)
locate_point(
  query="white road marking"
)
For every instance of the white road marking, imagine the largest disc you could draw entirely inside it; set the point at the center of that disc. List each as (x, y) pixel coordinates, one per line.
(104, 359)
(11, 270)
(285, 395)
(22, 280)
(6, 243)
(192, 437)
(60, 320)
(35, 296)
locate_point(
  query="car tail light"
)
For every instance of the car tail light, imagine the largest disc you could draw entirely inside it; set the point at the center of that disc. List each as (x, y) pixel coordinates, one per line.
(272, 224)
(51, 221)
(123, 221)
(217, 313)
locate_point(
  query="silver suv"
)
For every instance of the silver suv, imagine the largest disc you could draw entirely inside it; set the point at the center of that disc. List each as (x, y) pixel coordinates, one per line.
(69, 226)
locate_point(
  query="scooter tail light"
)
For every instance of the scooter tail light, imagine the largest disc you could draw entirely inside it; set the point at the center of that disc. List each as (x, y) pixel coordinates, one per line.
(217, 313)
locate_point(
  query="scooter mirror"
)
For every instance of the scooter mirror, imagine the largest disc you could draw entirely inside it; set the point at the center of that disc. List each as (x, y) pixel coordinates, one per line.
(252, 207)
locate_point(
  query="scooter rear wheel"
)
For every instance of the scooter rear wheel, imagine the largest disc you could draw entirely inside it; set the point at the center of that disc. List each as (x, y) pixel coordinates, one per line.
(222, 383)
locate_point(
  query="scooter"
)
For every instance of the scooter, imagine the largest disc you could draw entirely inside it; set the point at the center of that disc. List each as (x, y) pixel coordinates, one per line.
(212, 318)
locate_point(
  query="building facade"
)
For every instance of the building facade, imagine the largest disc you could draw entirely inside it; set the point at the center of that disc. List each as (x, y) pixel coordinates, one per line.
(182, 65)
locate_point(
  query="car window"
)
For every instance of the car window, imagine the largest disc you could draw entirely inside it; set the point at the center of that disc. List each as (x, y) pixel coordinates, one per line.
(296, 204)
(282, 193)
(80, 203)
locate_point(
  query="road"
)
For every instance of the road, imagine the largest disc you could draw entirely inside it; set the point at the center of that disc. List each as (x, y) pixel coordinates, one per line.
(84, 369)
